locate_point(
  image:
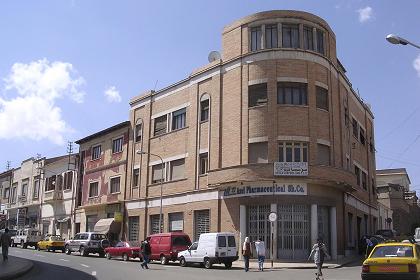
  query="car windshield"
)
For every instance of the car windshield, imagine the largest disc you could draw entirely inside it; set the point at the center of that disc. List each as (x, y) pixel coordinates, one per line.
(180, 241)
(96, 236)
(56, 238)
(393, 251)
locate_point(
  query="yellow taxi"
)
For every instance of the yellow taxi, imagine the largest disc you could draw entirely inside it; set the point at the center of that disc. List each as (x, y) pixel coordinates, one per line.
(51, 243)
(394, 261)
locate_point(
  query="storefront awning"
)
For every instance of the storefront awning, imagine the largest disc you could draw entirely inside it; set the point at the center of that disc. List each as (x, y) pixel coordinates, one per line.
(63, 220)
(107, 225)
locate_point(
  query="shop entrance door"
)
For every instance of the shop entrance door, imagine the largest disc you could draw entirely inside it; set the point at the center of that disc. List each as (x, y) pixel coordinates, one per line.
(259, 226)
(293, 232)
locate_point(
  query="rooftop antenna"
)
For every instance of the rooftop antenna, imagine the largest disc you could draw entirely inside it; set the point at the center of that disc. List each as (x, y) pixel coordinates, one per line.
(8, 165)
(155, 85)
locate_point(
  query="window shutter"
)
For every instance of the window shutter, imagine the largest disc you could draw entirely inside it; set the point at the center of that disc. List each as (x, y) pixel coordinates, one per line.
(177, 169)
(258, 152)
(156, 173)
(323, 154)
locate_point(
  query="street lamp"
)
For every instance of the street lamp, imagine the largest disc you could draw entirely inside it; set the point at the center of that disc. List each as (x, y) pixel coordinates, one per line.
(394, 39)
(140, 152)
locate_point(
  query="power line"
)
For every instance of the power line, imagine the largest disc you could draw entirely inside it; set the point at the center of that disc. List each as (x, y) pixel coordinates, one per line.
(398, 160)
(406, 149)
(392, 131)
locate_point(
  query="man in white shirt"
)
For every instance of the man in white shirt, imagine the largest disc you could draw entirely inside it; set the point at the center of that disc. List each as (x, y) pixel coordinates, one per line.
(260, 249)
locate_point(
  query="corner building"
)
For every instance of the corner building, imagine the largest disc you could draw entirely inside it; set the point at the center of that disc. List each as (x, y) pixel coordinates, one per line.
(272, 126)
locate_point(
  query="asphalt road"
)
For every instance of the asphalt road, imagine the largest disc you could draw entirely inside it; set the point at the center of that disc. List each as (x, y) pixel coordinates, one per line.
(59, 266)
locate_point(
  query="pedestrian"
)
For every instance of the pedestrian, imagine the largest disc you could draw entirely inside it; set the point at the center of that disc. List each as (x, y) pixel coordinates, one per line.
(319, 252)
(246, 252)
(5, 241)
(145, 251)
(260, 248)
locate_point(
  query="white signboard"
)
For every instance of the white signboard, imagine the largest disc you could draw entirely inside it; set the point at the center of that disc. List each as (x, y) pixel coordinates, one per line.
(290, 169)
(177, 225)
(276, 189)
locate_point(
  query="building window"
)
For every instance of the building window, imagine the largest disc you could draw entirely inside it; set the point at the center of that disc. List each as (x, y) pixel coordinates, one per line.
(179, 119)
(117, 145)
(14, 191)
(115, 185)
(322, 98)
(357, 173)
(177, 169)
(36, 187)
(256, 38)
(154, 224)
(204, 163)
(258, 152)
(350, 228)
(355, 128)
(292, 94)
(204, 105)
(323, 154)
(50, 183)
(160, 125)
(157, 174)
(24, 189)
(201, 223)
(362, 136)
(257, 95)
(290, 35)
(139, 132)
(346, 116)
(6, 193)
(308, 38)
(320, 41)
(293, 152)
(93, 189)
(364, 180)
(136, 177)
(68, 180)
(59, 182)
(133, 228)
(96, 152)
(271, 36)
(176, 222)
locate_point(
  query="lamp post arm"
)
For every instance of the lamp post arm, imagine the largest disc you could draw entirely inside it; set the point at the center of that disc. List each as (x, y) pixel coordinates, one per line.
(414, 45)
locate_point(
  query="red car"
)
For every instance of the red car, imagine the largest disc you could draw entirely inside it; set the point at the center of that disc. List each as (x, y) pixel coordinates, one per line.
(124, 250)
(165, 246)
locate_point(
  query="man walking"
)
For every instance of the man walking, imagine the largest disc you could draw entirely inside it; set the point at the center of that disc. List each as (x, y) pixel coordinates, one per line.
(5, 243)
(246, 252)
(145, 251)
(319, 251)
(260, 248)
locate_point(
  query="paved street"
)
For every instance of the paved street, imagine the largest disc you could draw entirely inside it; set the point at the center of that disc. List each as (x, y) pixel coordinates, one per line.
(63, 267)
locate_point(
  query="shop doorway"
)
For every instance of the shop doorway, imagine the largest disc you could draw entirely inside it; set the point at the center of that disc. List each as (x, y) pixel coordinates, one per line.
(293, 232)
(259, 226)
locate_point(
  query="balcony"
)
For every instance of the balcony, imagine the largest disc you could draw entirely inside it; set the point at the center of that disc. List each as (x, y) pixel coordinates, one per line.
(54, 195)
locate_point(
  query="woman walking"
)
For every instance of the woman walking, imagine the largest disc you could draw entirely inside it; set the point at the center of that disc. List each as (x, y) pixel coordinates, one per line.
(246, 252)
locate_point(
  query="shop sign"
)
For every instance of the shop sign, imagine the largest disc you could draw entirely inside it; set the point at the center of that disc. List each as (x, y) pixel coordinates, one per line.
(118, 217)
(290, 169)
(21, 217)
(276, 189)
(177, 225)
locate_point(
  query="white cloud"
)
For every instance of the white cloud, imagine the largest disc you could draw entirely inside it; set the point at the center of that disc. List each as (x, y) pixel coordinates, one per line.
(33, 113)
(416, 65)
(112, 95)
(365, 14)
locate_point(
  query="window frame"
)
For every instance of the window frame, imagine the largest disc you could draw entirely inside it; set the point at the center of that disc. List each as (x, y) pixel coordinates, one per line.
(271, 32)
(357, 172)
(117, 145)
(321, 97)
(308, 43)
(287, 30)
(320, 46)
(203, 162)
(284, 145)
(171, 170)
(254, 92)
(110, 184)
(362, 135)
(204, 110)
(98, 146)
(90, 189)
(283, 95)
(256, 38)
(138, 136)
(160, 132)
(177, 115)
(136, 177)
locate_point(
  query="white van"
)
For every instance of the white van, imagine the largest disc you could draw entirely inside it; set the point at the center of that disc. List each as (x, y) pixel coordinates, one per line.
(211, 248)
(27, 237)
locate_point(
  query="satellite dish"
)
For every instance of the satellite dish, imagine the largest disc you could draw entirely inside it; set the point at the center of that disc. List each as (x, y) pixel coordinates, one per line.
(213, 56)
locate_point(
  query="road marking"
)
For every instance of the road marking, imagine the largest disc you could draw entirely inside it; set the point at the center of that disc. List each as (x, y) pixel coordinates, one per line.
(64, 260)
(93, 273)
(38, 255)
(84, 265)
(171, 266)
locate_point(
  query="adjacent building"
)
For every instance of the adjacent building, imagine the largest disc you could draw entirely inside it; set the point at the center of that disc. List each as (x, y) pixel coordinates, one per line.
(271, 124)
(6, 178)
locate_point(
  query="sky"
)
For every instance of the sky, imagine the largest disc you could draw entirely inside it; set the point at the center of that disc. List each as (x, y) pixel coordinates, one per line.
(68, 68)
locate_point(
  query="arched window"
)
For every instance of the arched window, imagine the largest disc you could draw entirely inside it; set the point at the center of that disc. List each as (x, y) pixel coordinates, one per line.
(204, 107)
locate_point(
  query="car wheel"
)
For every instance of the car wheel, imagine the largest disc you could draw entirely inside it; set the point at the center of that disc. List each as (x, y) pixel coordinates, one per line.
(182, 262)
(207, 263)
(108, 256)
(67, 250)
(164, 259)
(83, 252)
(125, 257)
(228, 265)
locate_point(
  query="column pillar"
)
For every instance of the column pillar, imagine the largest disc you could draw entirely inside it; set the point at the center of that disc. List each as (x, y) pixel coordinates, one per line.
(242, 228)
(314, 223)
(333, 233)
(274, 232)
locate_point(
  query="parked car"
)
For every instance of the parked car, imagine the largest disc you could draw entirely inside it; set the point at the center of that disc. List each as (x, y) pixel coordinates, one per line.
(51, 243)
(86, 243)
(165, 246)
(124, 250)
(388, 234)
(394, 260)
(211, 248)
(27, 237)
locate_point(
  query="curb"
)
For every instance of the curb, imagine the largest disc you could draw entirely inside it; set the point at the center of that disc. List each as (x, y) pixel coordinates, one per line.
(23, 270)
(326, 266)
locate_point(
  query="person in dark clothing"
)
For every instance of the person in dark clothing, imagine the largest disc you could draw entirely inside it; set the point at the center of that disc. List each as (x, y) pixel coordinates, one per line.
(145, 251)
(5, 241)
(246, 253)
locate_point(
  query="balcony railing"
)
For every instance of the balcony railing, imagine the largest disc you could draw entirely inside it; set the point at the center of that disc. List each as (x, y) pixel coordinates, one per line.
(53, 195)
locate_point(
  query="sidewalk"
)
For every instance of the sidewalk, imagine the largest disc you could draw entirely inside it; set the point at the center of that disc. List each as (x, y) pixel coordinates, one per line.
(14, 267)
(253, 264)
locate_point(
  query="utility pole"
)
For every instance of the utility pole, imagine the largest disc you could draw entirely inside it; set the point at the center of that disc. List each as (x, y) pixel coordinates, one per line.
(8, 165)
(71, 165)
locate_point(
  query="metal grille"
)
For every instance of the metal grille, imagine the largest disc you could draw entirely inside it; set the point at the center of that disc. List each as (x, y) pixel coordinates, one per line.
(293, 240)
(259, 225)
(201, 222)
(154, 224)
(133, 228)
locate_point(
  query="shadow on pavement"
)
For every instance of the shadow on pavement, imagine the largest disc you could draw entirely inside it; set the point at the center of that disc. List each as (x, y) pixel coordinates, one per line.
(355, 263)
(46, 271)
